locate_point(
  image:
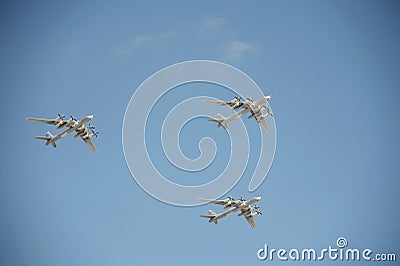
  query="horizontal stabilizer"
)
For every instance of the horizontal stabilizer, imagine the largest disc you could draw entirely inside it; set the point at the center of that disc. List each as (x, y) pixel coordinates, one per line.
(42, 138)
(220, 120)
(207, 216)
(211, 214)
(49, 138)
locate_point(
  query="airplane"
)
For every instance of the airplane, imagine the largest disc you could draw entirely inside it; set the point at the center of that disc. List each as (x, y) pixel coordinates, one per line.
(255, 108)
(244, 206)
(73, 124)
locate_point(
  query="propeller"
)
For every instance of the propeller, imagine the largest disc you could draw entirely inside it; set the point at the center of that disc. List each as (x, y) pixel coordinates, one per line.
(60, 116)
(266, 109)
(250, 99)
(256, 207)
(242, 199)
(231, 198)
(269, 111)
(73, 118)
(95, 133)
(91, 127)
(258, 212)
(238, 98)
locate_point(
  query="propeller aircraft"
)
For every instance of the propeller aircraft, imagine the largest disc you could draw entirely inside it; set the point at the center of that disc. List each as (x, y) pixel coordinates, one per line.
(256, 110)
(241, 205)
(73, 125)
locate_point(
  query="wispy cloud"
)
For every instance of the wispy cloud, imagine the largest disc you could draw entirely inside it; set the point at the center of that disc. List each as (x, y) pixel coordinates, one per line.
(211, 26)
(213, 30)
(217, 30)
(144, 40)
(236, 49)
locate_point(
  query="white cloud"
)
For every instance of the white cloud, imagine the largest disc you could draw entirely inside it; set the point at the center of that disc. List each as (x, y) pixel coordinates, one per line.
(218, 31)
(212, 25)
(236, 49)
(210, 28)
(143, 41)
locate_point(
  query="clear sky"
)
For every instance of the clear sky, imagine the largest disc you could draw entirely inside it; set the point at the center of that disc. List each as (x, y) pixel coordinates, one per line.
(332, 68)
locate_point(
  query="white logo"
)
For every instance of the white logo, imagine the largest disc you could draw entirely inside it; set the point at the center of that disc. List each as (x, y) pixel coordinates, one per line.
(341, 242)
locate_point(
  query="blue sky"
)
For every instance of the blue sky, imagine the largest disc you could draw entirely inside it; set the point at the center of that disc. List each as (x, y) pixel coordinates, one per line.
(332, 69)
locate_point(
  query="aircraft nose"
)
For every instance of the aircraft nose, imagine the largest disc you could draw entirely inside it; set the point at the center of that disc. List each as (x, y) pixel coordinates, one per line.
(268, 98)
(90, 117)
(258, 198)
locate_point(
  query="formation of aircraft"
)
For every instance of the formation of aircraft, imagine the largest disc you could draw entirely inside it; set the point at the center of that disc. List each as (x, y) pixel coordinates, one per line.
(72, 124)
(241, 205)
(229, 204)
(256, 109)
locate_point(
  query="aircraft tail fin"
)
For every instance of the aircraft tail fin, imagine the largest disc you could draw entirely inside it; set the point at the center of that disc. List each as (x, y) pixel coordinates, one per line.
(211, 215)
(220, 120)
(47, 138)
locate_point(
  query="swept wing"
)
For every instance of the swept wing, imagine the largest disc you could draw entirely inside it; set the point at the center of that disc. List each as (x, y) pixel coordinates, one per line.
(45, 121)
(250, 219)
(221, 202)
(89, 142)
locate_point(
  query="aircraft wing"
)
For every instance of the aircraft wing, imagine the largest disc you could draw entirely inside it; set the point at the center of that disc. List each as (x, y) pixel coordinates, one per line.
(262, 123)
(237, 115)
(216, 102)
(250, 219)
(212, 201)
(42, 120)
(89, 142)
(261, 101)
